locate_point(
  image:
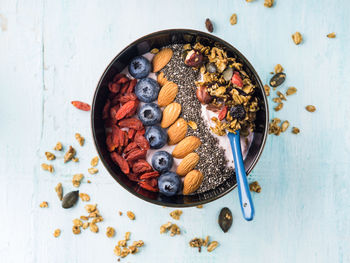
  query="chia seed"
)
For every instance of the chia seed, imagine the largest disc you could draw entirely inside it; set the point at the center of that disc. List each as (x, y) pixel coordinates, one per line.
(212, 162)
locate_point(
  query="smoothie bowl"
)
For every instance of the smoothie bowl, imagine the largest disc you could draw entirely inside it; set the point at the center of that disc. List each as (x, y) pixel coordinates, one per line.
(161, 112)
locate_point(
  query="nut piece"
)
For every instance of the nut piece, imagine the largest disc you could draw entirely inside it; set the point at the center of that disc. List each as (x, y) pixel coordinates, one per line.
(295, 130)
(161, 79)
(93, 227)
(212, 246)
(131, 215)
(192, 182)
(176, 214)
(177, 131)
(186, 146)
(110, 232)
(44, 204)
(84, 197)
(92, 170)
(278, 68)
(80, 139)
(233, 19)
(203, 95)
(94, 161)
(310, 108)
(58, 147)
(174, 230)
(291, 91)
(47, 167)
(331, 35)
(209, 25)
(161, 59)
(297, 38)
(57, 233)
(255, 187)
(77, 179)
(194, 58)
(59, 191)
(170, 114)
(69, 155)
(50, 156)
(268, 3)
(164, 228)
(187, 164)
(90, 208)
(167, 94)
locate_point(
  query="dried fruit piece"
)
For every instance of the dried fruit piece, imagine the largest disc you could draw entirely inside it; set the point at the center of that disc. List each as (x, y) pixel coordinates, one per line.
(84, 197)
(70, 199)
(268, 3)
(186, 146)
(77, 179)
(170, 114)
(291, 91)
(131, 215)
(50, 156)
(80, 139)
(284, 126)
(123, 164)
(127, 97)
(297, 38)
(58, 147)
(277, 79)
(94, 161)
(225, 219)
(47, 167)
(209, 25)
(213, 244)
(81, 105)
(295, 130)
(57, 232)
(331, 35)
(233, 19)
(125, 109)
(110, 232)
(187, 164)
(310, 108)
(237, 80)
(278, 68)
(176, 214)
(69, 154)
(44, 204)
(222, 113)
(59, 191)
(167, 94)
(203, 96)
(161, 59)
(161, 79)
(93, 170)
(255, 187)
(194, 59)
(131, 123)
(192, 182)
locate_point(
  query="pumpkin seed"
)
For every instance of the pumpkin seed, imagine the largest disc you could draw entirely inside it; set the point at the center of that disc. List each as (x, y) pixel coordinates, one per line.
(225, 219)
(310, 108)
(277, 79)
(70, 199)
(291, 91)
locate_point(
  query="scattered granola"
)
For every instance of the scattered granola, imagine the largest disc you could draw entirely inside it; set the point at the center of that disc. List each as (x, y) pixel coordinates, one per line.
(110, 232)
(88, 181)
(164, 228)
(47, 167)
(199, 206)
(58, 147)
(85, 218)
(77, 179)
(120, 213)
(331, 35)
(291, 91)
(278, 107)
(280, 94)
(57, 232)
(94, 161)
(76, 230)
(122, 249)
(295, 130)
(127, 236)
(267, 89)
(284, 126)
(277, 100)
(84, 197)
(77, 222)
(233, 19)
(80, 139)
(90, 208)
(176, 214)
(297, 38)
(59, 191)
(44, 204)
(273, 126)
(75, 159)
(212, 246)
(255, 187)
(131, 215)
(93, 227)
(310, 108)
(268, 3)
(92, 170)
(278, 68)
(199, 242)
(86, 225)
(69, 154)
(174, 229)
(50, 156)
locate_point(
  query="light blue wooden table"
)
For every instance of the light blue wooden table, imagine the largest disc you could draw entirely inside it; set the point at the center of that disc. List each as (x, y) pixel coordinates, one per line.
(53, 52)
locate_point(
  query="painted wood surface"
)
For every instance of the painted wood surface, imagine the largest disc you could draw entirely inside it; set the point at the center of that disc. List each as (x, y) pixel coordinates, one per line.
(53, 52)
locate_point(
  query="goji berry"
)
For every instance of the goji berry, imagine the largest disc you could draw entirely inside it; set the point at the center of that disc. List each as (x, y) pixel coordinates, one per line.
(125, 87)
(105, 112)
(115, 100)
(125, 109)
(81, 105)
(109, 142)
(132, 123)
(149, 175)
(141, 141)
(132, 85)
(152, 182)
(122, 80)
(113, 87)
(131, 133)
(141, 166)
(126, 138)
(133, 111)
(113, 111)
(133, 177)
(117, 135)
(222, 113)
(148, 187)
(123, 135)
(136, 154)
(237, 80)
(123, 164)
(130, 147)
(141, 132)
(127, 97)
(118, 76)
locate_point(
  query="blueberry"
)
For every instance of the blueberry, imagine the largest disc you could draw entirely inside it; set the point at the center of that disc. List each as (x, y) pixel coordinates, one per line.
(139, 67)
(162, 161)
(150, 114)
(238, 112)
(147, 90)
(169, 183)
(156, 137)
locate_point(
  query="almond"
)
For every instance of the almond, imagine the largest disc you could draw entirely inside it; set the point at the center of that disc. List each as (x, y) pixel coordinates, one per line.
(192, 181)
(162, 80)
(167, 94)
(187, 164)
(186, 146)
(161, 59)
(170, 114)
(177, 131)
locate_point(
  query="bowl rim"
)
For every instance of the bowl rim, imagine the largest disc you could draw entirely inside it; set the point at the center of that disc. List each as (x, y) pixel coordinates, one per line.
(235, 51)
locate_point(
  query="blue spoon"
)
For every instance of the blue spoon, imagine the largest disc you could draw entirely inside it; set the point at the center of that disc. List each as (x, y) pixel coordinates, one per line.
(245, 199)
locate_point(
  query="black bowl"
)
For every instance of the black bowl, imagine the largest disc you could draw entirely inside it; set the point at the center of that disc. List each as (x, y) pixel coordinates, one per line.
(144, 45)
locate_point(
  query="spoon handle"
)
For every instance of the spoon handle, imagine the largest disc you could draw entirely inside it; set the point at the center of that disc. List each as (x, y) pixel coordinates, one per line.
(245, 199)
